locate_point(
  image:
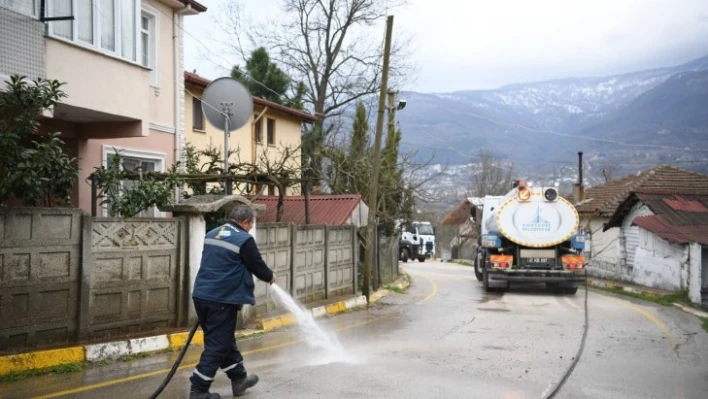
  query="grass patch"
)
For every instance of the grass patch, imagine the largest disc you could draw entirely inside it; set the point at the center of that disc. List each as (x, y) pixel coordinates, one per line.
(59, 369)
(395, 288)
(134, 356)
(664, 300)
(704, 320)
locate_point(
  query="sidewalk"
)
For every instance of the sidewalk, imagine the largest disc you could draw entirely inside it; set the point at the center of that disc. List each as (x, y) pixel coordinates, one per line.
(641, 290)
(43, 359)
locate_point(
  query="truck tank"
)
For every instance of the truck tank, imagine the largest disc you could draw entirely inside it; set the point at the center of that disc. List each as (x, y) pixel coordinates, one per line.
(540, 219)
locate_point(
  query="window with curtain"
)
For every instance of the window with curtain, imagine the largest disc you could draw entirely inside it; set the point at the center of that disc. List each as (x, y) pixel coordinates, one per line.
(62, 8)
(107, 10)
(84, 20)
(115, 26)
(127, 24)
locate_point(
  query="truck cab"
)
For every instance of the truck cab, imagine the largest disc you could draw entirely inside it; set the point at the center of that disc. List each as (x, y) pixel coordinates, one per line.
(417, 241)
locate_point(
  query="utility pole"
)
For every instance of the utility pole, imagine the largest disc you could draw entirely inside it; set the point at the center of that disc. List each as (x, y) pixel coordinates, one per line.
(374, 187)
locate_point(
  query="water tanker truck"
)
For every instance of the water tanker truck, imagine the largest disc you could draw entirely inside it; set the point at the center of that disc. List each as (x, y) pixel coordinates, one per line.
(530, 235)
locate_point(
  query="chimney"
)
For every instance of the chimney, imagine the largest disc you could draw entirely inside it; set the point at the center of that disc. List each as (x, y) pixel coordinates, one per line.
(579, 188)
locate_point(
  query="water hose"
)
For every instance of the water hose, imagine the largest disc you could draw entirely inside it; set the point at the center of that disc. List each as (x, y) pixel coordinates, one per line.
(177, 362)
(568, 372)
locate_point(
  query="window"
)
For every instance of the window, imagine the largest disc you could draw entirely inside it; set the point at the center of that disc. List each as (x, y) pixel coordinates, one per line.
(147, 42)
(259, 131)
(271, 189)
(270, 131)
(139, 162)
(26, 7)
(197, 114)
(62, 8)
(107, 25)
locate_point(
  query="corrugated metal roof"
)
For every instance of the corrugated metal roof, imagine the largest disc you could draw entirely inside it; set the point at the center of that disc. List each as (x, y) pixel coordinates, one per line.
(669, 232)
(603, 200)
(324, 209)
(677, 217)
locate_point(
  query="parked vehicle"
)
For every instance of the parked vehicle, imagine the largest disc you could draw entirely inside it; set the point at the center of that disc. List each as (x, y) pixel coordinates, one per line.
(417, 241)
(530, 235)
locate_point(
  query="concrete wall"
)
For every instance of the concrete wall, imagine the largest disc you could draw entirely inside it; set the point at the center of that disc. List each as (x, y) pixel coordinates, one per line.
(697, 265)
(310, 262)
(40, 277)
(66, 277)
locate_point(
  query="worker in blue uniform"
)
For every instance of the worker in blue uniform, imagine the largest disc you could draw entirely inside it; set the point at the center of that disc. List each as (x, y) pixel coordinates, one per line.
(223, 285)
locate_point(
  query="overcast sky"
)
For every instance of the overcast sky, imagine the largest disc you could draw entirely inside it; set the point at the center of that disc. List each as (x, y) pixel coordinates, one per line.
(475, 44)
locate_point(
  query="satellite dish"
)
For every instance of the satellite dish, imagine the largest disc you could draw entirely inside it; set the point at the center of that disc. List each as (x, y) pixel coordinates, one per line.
(227, 97)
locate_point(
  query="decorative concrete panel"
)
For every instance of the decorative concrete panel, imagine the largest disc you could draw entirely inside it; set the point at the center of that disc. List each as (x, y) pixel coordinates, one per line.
(134, 280)
(308, 260)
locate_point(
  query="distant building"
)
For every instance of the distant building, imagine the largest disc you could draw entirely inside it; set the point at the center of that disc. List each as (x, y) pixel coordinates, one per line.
(457, 232)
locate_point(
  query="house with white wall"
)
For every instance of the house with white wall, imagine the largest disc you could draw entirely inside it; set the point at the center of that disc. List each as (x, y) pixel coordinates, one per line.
(663, 240)
(601, 202)
(121, 62)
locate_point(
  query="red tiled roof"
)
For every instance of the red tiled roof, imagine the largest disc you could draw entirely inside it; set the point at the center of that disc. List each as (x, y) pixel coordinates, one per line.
(324, 209)
(203, 83)
(603, 200)
(669, 232)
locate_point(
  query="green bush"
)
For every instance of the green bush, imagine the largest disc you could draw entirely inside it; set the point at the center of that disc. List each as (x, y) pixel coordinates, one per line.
(33, 168)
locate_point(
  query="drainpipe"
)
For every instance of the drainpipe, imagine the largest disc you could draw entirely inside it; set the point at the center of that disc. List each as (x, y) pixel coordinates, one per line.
(179, 92)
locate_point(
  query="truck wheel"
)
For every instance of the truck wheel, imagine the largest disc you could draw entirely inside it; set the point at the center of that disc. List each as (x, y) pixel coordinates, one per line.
(477, 261)
(571, 290)
(404, 255)
(485, 280)
(421, 259)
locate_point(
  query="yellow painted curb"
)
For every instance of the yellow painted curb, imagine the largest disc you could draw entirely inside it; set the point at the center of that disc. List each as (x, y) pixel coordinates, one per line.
(177, 340)
(41, 359)
(335, 308)
(273, 323)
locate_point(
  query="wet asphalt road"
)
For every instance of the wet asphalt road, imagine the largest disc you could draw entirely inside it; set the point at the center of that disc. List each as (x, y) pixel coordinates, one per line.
(446, 338)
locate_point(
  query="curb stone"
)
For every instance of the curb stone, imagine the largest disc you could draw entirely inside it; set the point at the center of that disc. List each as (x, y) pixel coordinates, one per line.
(43, 359)
(634, 290)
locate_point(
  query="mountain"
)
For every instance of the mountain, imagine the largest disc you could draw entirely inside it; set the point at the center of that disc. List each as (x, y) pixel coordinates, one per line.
(551, 120)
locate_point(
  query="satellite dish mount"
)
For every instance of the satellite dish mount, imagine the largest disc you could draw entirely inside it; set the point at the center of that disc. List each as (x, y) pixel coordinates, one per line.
(228, 106)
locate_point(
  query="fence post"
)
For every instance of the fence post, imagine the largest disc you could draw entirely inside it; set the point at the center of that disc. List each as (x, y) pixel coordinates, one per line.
(293, 239)
(355, 257)
(85, 277)
(183, 271)
(326, 260)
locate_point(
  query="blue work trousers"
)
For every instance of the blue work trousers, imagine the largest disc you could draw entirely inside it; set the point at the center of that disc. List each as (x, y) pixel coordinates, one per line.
(218, 322)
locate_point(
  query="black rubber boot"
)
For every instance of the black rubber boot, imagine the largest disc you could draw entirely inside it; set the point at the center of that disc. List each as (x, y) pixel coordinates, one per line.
(193, 394)
(239, 387)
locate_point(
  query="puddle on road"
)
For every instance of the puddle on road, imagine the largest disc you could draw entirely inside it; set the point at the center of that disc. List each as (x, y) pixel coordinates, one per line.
(489, 297)
(494, 309)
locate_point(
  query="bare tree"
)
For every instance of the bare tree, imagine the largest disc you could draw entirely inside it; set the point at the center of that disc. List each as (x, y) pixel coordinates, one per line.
(330, 46)
(492, 177)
